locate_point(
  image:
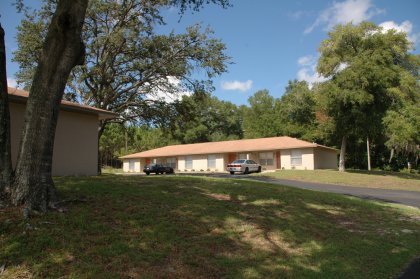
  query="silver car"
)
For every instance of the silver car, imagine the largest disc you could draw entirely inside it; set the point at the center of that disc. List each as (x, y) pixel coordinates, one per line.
(244, 166)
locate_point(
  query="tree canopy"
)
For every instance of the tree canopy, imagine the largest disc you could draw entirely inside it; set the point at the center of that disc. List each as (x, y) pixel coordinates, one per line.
(369, 71)
(128, 65)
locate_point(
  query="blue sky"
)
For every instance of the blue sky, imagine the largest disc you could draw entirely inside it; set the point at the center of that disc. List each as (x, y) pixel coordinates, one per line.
(271, 41)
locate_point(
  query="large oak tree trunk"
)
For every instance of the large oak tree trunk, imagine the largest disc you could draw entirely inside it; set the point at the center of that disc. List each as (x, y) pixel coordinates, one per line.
(5, 153)
(342, 161)
(63, 49)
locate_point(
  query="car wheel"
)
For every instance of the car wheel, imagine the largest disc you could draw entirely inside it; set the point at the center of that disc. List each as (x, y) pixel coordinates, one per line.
(246, 171)
(259, 169)
(232, 172)
(147, 173)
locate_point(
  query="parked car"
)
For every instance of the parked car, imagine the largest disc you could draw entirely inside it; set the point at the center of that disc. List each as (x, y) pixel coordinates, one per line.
(157, 168)
(244, 166)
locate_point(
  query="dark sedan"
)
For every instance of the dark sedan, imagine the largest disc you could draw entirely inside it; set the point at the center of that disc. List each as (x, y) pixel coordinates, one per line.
(157, 169)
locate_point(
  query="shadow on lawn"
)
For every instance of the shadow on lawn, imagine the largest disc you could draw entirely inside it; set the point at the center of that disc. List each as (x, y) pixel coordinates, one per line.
(178, 227)
(404, 175)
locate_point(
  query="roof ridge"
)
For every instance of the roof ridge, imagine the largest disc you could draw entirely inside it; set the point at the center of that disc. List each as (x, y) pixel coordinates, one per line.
(184, 144)
(82, 107)
(241, 145)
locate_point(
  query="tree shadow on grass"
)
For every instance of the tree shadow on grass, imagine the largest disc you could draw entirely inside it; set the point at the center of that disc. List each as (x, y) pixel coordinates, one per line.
(178, 227)
(404, 175)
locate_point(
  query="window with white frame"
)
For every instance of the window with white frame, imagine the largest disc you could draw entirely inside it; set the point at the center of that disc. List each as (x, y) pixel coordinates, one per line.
(211, 161)
(266, 158)
(171, 162)
(296, 158)
(188, 162)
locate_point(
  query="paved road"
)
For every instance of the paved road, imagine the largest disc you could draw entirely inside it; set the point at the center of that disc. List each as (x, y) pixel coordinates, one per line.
(411, 198)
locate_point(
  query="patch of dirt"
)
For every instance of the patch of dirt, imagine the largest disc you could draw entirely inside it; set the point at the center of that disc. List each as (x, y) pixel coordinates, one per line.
(16, 272)
(415, 218)
(220, 197)
(351, 227)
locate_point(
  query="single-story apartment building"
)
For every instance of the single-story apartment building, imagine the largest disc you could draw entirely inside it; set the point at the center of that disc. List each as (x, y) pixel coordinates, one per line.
(272, 153)
(76, 136)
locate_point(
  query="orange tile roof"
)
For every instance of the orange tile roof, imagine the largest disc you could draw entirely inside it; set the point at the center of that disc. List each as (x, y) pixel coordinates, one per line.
(22, 95)
(244, 145)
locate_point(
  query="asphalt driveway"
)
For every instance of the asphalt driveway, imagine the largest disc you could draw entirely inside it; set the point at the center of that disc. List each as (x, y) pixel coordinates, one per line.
(411, 198)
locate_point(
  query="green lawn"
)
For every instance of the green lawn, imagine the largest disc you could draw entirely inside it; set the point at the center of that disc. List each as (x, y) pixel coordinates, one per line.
(109, 170)
(373, 179)
(197, 227)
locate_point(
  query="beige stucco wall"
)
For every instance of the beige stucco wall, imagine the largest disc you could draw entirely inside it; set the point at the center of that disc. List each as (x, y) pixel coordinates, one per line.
(126, 165)
(312, 158)
(199, 162)
(325, 158)
(307, 159)
(181, 163)
(220, 163)
(75, 145)
(138, 165)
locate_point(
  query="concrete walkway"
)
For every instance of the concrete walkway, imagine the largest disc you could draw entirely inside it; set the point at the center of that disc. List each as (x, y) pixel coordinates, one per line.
(411, 198)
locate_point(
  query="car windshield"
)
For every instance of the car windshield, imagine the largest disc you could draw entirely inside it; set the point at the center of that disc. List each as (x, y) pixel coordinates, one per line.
(238, 162)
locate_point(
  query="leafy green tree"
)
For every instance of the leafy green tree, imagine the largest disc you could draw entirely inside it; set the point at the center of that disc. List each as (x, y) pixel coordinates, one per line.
(202, 118)
(112, 142)
(365, 67)
(118, 140)
(127, 64)
(295, 111)
(402, 130)
(146, 138)
(259, 119)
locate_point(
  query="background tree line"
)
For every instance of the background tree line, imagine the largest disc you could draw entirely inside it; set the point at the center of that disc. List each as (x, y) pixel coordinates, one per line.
(368, 108)
(299, 113)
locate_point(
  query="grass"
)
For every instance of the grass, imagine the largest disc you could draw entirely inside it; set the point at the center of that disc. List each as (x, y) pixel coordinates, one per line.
(373, 179)
(198, 227)
(109, 170)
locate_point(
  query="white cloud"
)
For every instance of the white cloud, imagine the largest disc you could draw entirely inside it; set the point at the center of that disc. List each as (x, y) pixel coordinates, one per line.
(307, 72)
(11, 82)
(237, 85)
(310, 75)
(354, 11)
(405, 26)
(306, 60)
(169, 90)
